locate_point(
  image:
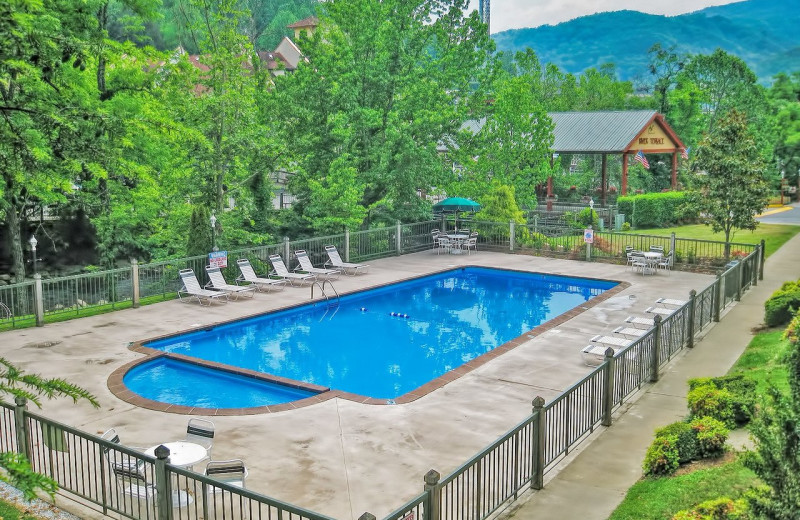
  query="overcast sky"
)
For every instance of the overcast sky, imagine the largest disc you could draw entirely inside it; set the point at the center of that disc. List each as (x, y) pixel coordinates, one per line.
(516, 14)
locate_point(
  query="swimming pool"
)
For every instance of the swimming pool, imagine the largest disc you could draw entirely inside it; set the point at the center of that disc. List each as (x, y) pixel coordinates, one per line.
(380, 343)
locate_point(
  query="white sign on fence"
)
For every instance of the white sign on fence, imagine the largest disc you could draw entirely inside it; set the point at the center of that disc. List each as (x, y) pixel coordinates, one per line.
(218, 259)
(588, 236)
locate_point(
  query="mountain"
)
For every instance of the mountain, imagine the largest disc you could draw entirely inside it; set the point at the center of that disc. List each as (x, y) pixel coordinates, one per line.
(764, 33)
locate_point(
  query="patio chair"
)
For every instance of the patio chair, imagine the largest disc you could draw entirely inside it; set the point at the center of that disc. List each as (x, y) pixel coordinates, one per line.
(638, 261)
(280, 270)
(671, 302)
(201, 431)
(639, 323)
(443, 244)
(611, 341)
(630, 332)
(335, 260)
(218, 283)
(666, 262)
(133, 483)
(191, 288)
(659, 310)
(657, 249)
(470, 243)
(307, 266)
(233, 473)
(249, 275)
(595, 355)
(119, 458)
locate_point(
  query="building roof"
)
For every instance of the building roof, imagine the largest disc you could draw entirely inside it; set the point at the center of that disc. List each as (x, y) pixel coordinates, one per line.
(311, 21)
(609, 131)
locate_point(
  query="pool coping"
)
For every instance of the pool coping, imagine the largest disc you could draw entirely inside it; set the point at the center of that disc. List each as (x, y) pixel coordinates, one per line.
(117, 387)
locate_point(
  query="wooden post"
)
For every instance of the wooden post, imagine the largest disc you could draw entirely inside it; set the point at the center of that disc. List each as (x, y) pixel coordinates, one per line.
(764, 254)
(163, 491)
(135, 282)
(624, 187)
(675, 170)
(537, 478)
(603, 180)
(38, 300)
(655, 361)
(432, 511)
(718, 297)
(692, 304)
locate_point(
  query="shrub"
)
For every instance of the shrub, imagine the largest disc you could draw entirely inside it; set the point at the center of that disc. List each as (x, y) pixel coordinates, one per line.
(662, 456)
(782, 305)
(709, 401)
(686, 439)
(655, 209)
(742, 389)
(711, 436)
(626, 226)
(722, 508)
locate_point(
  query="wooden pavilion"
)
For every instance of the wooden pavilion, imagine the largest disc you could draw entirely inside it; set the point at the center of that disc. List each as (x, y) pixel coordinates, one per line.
(614, 132)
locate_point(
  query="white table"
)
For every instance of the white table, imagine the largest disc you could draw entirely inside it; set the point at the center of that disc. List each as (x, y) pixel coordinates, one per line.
(181, 453)
(651, 258)
(457, 240)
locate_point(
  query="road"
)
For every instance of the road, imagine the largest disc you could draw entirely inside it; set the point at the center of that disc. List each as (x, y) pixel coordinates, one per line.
(789, 215)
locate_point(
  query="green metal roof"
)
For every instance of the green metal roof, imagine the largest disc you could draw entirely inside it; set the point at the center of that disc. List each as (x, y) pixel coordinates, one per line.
(597, 132)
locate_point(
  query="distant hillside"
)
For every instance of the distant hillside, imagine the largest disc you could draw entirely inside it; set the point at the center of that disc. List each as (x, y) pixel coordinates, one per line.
(764, 33)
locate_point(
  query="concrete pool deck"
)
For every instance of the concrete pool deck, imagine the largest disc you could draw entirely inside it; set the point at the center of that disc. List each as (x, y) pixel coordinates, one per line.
(338, 457)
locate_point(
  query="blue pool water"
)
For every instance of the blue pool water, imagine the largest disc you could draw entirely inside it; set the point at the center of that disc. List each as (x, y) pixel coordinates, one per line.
(360, 347)
(192, 385)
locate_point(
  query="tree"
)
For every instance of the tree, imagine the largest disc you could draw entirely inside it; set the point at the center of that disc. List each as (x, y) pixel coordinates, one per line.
(385, 83)
(776, 458)
(731, 187)
(785, 98)
(14, 382)
(665, 64)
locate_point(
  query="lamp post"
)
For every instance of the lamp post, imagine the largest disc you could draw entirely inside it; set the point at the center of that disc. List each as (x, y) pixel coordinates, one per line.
(33, 243)
(213, 220)
(591, 212)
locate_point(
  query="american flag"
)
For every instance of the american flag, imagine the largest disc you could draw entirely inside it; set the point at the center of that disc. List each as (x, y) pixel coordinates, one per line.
(685, 153)
(642, 159)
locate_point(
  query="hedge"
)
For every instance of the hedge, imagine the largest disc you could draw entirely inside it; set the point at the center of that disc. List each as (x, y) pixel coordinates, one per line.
(743, 392)
(782, 305)
(655, 209)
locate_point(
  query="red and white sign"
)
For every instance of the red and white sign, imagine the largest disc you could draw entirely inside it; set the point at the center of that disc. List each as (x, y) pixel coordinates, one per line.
(588, 236)
(218, 259)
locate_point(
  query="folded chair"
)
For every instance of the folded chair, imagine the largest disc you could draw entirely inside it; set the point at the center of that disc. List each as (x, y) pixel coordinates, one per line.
(249, 275)
(279, 269)
(336, 261)
(191, 288)
(218, 283)
(307, 266)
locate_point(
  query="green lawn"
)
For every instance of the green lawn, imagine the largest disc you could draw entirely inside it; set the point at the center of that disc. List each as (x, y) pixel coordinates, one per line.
(774, 235)
(661, 498)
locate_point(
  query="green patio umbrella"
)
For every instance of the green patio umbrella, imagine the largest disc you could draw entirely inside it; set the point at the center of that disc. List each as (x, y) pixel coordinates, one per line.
(456, 205)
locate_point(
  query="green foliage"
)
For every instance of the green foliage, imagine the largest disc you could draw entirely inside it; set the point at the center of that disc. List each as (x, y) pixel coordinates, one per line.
(784, 303)
(733, 188)
(709, 401)
(626, 226)
(711, 436)
(18, 473)
(654, 209)
(742, 390)
(722, 508)
(500, 205)
(776, 458)
(662, 457)
(200, 232)
(686, 440)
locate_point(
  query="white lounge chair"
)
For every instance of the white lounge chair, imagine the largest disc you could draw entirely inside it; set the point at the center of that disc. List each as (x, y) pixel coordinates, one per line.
(335, 260)
(637, 322)
(307, 266)
(630, 332)
(218, 283)
(659, 310)
(612, 341)
(249, 275)
(279, 269)
(595, 355)
(670, 302)
(191, 288)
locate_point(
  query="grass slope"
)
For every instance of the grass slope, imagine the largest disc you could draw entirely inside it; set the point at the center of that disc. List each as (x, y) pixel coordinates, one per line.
(774, 235)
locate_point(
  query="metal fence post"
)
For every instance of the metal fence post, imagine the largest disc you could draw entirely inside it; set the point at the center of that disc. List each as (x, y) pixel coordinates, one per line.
(21, 426)
(761, 260)
(135, 282)
(608, 386)
(739, 280)
(692, 304)
(537, 479)
(286, 256)
(717, 297)
(163, 491)
(656, 349)
(432, 490)
(672, 243)
(512, 234)
(38, 300)
(589, 250)
(346, 245)
(398, 245)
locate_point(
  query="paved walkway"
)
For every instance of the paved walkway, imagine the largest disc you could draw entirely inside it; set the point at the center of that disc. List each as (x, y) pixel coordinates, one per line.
(598, 476)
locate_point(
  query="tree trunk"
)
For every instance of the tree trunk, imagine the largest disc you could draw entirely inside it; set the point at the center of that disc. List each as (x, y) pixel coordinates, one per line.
(14, 234)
